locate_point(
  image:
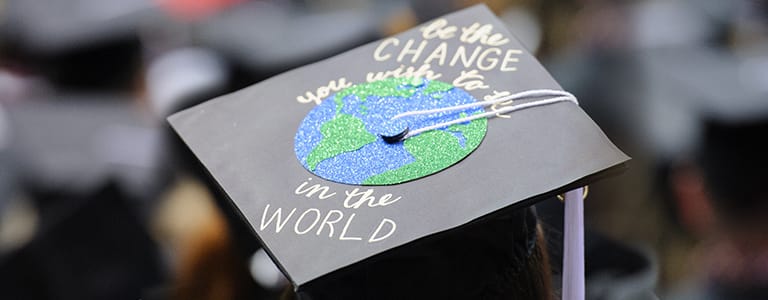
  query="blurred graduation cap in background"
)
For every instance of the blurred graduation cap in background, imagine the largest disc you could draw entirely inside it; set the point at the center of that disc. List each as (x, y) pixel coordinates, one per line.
(77, 143)
(345, 162)
(712, 105)
(76, 42)
(686, 87)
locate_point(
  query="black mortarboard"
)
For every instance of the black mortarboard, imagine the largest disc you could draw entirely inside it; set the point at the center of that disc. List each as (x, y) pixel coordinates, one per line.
(303, 156)
(714, 103)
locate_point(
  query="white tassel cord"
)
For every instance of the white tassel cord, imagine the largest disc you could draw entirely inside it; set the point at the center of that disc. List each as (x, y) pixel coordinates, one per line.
(557, 96)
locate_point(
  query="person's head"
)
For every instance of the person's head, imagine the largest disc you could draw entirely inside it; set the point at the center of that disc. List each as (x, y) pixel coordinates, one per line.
(725, 191)
(734, 161)
(500, 258)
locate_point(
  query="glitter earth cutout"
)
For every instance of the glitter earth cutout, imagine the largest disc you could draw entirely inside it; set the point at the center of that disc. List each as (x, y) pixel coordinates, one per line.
(339, 140)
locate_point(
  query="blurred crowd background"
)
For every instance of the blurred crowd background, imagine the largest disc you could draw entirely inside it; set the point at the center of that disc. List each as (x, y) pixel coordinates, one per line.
(99, 200)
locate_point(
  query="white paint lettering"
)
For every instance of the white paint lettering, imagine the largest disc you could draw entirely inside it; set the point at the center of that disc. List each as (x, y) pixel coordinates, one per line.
(492, 61)
(439, 53)
(312, 190)
(298, 222)
(438, 29)
(510, 58)
(483, 34)
(461, 54)
(327, 220)
(343, 236)
(377, 54)
(366, 197)
(276, 215)
(402, 71)
(374, 238)
(324, 91)
(470, 81)
(407, 50)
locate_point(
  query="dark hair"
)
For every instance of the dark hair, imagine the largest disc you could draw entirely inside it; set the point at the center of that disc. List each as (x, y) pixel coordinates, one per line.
(501, 258)
(734, 162)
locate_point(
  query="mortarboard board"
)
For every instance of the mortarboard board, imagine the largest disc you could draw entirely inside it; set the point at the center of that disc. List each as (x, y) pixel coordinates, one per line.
(342, 160)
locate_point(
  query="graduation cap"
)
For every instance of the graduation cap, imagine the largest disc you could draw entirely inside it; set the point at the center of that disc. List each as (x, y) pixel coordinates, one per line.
(342, 161)
(718, 99)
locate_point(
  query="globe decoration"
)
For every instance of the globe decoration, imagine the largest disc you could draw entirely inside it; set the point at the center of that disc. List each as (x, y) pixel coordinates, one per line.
(341, 138)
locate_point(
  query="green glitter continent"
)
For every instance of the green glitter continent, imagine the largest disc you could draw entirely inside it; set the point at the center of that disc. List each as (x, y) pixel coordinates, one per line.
(473, 132)
(435, 86)
(343, 133)
(390, 87)
(433, 151)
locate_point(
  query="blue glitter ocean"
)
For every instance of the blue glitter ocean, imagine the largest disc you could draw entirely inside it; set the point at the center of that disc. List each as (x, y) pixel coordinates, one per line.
(339, 139)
